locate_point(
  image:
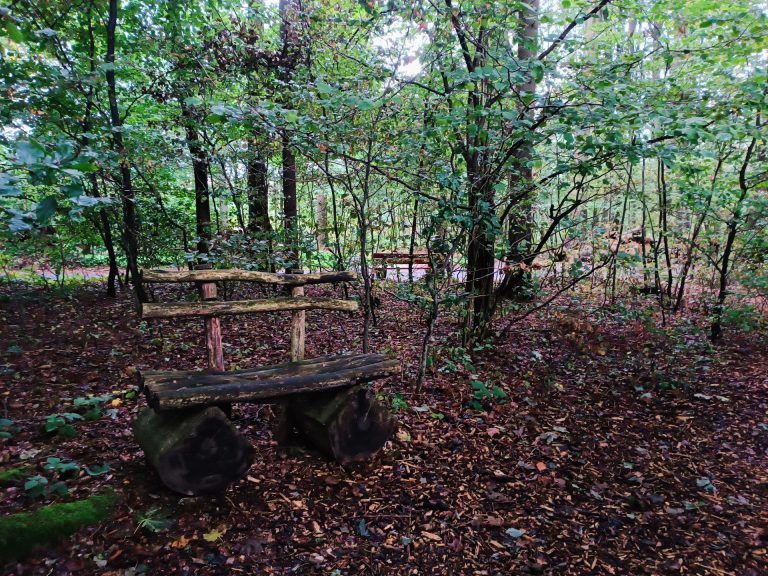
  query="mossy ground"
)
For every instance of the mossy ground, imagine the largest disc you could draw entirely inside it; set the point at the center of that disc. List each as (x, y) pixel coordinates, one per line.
(12, 475)
(20, 533)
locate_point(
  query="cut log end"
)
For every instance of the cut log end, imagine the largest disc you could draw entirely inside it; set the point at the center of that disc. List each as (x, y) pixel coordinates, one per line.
(195, 452)
(348, 425)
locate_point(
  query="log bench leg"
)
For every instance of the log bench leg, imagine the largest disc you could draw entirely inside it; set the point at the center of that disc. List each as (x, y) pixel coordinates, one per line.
(196, 451)
(349, 425)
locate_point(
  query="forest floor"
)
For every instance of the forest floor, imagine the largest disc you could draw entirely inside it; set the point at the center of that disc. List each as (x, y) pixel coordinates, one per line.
(620, 448)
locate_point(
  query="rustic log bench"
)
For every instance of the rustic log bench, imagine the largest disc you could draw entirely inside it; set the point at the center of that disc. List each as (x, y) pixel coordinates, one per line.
(186, 433)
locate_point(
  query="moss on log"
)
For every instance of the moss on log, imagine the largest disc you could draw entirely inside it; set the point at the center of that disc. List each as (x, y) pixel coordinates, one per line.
(21, 533)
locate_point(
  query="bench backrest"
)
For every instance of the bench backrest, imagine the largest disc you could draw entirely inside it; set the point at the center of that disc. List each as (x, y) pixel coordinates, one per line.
(211, 310)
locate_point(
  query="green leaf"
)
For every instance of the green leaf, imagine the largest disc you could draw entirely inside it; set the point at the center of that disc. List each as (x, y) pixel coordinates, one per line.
(97, 470)
(29, 152)
(45, 209)
(13, 32)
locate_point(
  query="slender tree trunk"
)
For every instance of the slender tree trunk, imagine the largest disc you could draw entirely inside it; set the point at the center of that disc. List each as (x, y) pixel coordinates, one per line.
(290, 213)
(200, 172)
(688, 258)
(321, 219)
(664, 228)
(291, 50)
(413, 238)
(716, 330)
(105, 231)
(123, 175)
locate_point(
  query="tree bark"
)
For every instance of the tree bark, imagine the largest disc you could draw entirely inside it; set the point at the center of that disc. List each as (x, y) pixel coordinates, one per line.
(290, 214)
(258, 191)
(200, 172)
(520, 233)
(123, 175)
(348, 425)
(195, 452)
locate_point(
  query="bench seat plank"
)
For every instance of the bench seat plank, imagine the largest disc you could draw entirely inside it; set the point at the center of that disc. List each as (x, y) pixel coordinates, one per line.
(166, 392)
(175, 379)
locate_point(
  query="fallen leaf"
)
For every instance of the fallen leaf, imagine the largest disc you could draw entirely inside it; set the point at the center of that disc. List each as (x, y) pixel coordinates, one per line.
(215, 534)
(182, 542)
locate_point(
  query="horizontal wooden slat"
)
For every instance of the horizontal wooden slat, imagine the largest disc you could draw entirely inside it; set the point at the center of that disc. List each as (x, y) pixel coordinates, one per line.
(154, 381)
(272, 389)
(245, 276)
(185, 309)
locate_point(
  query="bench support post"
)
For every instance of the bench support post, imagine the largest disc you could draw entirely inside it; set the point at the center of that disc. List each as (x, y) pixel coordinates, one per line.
(212, 330)
(298, 329)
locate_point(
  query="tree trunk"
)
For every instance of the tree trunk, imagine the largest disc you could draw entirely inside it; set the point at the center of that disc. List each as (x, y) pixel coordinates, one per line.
(200, 172)
(321, 218)
(123, 175)
(196, 451)
(348, 425)
(716, 329)
(520, 235)
(258, 191)
(290, 214)
(480, 255)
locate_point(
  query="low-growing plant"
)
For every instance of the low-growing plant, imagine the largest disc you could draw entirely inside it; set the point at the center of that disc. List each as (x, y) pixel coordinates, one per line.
(7, 428)
(154, 519)
(54, 464)
(482, 391)
(61, 424)
(93, 405)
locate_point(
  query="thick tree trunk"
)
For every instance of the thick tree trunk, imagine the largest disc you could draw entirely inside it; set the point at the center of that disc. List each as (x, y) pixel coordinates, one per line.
(480, 256)
(348, 425)
(195, 451)
(258, 191)
(520, 233)
(123, 175)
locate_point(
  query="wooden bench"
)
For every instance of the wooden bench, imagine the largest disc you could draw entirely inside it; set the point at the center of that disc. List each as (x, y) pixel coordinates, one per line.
(186, 433)
(385, 261)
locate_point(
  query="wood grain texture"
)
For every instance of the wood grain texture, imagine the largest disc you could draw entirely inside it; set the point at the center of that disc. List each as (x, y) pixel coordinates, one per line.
(195, 451)
(298, 328)
(187, 309)
(273, 389)
(152, 380)
(349, 425)
(154, 276)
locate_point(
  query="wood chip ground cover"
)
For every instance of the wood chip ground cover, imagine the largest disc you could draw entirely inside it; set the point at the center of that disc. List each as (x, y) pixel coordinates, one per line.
(618, 450)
